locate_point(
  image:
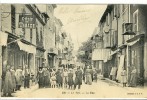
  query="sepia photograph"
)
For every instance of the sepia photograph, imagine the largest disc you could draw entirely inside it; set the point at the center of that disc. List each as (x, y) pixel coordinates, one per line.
(73, 51)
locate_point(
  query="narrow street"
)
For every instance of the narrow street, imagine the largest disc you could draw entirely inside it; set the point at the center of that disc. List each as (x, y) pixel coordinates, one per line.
(47, 45)
(101, 89)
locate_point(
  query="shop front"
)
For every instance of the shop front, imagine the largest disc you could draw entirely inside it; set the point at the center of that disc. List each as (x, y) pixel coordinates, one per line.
(99, 56)
(136, 58)
(52, 57)
(18, 53)
(39, 58)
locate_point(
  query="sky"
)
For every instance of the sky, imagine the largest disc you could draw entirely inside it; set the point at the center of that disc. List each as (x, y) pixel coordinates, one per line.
(79, 20)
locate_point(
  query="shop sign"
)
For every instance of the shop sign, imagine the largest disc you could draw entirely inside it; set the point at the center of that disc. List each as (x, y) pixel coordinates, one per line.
(27, 21)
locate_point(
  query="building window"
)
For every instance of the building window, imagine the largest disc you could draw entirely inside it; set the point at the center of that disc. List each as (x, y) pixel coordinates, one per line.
(115, 11)
(31, 35)
(118, 11)
(41, 35)
(37, 35)
(123, 8)
(108, 19)
(133, 58)
(123, 30)
(13, 19)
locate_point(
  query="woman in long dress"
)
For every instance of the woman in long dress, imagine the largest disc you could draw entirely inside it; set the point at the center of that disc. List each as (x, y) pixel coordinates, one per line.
(46, 75)
(40, 78)
(65, 75)
(88, 76)
(133, 80)
(13, 78)
(8, 85)
(19, 78)
(59, 78)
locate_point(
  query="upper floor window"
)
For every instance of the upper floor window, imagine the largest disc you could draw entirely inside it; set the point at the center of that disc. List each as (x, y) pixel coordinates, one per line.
(41, 34)
(123, 8)
(31, 35)
(115, 11)
(13, 19)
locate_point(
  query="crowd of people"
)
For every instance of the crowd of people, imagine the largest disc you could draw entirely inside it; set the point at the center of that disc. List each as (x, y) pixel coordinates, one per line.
(13, 80)
(69, 78)
(60, 78)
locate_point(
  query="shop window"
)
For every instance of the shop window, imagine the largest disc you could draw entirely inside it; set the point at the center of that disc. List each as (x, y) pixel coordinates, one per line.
(13, 24)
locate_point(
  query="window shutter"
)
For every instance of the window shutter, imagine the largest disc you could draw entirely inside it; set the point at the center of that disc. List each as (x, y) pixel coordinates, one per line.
(135, 21)
(13, 18)
(115, 11)
(118, 11)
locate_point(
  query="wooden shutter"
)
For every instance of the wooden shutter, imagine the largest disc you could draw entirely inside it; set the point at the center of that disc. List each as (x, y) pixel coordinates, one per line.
(13, 18)
(135, 21)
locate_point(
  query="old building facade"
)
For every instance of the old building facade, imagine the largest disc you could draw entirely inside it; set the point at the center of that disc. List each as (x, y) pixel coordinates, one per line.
(124, 35)
(23, 47)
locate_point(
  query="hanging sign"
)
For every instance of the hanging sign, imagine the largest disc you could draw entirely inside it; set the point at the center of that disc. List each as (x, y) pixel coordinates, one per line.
(27, 21)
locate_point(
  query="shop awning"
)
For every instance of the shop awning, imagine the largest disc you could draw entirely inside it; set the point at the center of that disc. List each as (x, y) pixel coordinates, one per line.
(114, 52)
(135, 38)
(100, 54)
(133, 42)
(26, 48)
(3, 38)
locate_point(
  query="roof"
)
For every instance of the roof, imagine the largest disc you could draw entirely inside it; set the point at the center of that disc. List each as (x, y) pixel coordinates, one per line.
(108, 10)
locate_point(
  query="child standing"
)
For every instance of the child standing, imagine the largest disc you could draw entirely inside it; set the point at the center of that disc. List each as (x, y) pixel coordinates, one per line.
(53, 81)
(124, 77)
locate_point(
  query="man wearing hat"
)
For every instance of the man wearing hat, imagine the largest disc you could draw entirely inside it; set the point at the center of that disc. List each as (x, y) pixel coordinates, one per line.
(70, 79)
(26, 74)
(78, 78)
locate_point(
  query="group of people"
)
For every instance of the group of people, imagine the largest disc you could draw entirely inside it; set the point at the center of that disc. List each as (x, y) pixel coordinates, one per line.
(69, 78)
(60, 78)
(123, 77)
(13, 80)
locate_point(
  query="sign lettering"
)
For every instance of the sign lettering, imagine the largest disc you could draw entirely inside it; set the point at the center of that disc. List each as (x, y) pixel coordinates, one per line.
(27, 21)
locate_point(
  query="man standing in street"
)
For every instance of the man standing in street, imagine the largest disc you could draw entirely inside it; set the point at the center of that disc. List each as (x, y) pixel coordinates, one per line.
(78, 78)
(26, 74)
